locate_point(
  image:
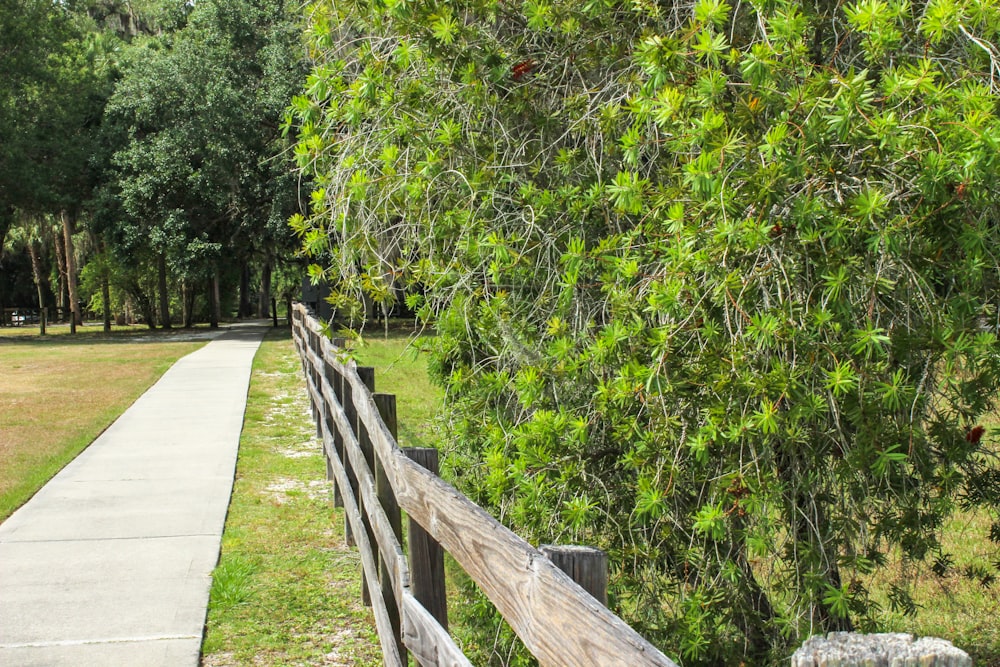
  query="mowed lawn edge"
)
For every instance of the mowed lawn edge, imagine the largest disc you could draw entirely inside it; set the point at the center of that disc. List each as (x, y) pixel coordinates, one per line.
(59, 393)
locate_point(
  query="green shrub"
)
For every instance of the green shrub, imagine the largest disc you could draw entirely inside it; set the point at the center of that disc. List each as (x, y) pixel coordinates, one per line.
(714, 285)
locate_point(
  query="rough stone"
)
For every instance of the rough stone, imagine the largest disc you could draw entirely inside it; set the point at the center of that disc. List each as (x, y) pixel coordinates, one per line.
(850, 649)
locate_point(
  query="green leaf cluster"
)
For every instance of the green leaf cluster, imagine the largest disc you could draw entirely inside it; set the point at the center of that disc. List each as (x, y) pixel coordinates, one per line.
(715, 286)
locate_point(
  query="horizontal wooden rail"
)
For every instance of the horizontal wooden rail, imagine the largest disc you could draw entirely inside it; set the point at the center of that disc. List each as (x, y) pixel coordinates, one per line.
(558, 621)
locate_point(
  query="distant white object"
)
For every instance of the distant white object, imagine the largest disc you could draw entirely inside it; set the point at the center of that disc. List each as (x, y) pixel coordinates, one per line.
(850, 649)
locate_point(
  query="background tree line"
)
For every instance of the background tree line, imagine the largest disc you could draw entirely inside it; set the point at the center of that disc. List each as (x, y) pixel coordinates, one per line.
(141, 168)
(715, 284)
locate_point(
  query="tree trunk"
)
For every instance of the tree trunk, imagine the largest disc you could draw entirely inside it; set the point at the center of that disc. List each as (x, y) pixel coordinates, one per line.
(369, 314)
(244, 292)
(215, 310)
(35, 252)
(161, 285)
(185, 311)
(148, 311)
(62, 297)
(106, 298)
(264, 301)
(6, 221)
(187, 299)
(74, 303)
(288, 309)
(813, 537)
(145, 304)
(756, 618)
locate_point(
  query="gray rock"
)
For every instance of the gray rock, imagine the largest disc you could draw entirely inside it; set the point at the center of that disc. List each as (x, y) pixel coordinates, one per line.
(850, 649)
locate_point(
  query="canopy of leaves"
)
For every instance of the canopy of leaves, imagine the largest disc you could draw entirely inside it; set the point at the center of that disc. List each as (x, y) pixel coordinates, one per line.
(195, 118)
(715, 284)
(44, 91)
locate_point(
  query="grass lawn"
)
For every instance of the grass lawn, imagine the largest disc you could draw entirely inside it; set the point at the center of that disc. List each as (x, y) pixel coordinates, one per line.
(963, 610)
(59, 392)
(401, 369)
(287, 589)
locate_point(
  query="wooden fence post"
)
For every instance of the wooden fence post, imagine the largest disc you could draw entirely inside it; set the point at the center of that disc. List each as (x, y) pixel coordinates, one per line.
(426, 555)
(586, 566)
(386, 404)
(347, 402)
(338, 392)
(314, 373)
(333, 377)
(367, 376)
(336, 381)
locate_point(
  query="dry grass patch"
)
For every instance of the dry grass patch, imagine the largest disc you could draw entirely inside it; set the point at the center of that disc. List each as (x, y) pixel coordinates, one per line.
(59, 393)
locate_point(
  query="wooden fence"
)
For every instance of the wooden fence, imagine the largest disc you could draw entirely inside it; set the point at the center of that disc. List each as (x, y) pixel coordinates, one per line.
(17, 317)
(374, 480)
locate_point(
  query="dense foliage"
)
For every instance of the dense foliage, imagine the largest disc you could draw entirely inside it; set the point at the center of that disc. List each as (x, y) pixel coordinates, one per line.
(195, 121)
(140, 151)
(23, 92)
(714, 284)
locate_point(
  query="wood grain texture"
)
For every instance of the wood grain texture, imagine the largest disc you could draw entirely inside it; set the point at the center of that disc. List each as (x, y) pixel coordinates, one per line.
(332, 376)
(367, 375)
(386, 404)
(430, 644)
(559, 622)
(587, 566)
(427, 578)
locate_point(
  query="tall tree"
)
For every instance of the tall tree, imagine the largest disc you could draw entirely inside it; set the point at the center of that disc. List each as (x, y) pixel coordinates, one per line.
(199, 115)
(33, 235)
(50, 116)
(31, 32)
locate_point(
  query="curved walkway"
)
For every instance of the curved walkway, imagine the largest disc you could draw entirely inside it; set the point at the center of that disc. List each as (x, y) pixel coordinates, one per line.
(110, 563)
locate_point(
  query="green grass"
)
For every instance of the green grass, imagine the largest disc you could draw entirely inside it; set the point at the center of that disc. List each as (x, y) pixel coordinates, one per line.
(956, 607)
(59, 392)
(400, 363)
(287, 588)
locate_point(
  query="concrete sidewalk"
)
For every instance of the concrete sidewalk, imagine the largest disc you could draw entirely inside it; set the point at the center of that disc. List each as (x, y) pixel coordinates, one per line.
(110, 563)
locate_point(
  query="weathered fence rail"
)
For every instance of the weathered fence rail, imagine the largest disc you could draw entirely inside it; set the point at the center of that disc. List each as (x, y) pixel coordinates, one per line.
(375, 480)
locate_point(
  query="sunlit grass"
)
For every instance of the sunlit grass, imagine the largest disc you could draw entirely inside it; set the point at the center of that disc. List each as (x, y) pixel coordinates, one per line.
(957, 607)
(58, 393)
(287, 588)
(400, 362)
